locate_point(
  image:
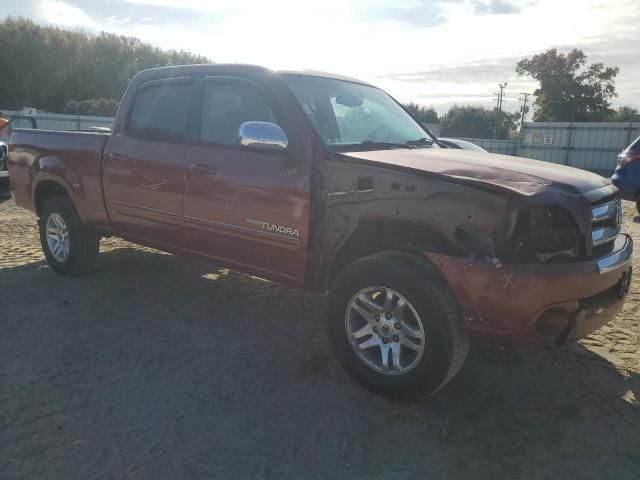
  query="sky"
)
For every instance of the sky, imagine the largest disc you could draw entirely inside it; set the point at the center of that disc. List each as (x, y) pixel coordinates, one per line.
(433, 52)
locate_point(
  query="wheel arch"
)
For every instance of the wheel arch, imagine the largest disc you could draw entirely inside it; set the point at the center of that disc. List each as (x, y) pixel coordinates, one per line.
(47, 189)
(384, 235)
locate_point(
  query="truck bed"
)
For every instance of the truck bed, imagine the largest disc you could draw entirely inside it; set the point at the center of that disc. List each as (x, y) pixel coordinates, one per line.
(72, 159)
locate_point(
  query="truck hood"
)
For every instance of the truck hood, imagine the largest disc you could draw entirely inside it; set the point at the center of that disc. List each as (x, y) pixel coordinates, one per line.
(520, 175)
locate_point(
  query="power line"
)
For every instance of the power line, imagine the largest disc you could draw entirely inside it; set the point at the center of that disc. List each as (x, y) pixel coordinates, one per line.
(501, 86)
(524, 107)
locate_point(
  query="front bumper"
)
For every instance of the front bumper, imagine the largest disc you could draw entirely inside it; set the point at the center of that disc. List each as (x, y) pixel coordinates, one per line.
(539, 304)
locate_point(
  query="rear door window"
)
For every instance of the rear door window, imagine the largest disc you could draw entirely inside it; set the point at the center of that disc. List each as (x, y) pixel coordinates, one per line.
(227, 104)
(160, 110)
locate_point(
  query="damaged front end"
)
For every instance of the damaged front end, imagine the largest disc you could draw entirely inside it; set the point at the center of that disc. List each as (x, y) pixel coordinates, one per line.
(542, 233)
(537, 233)
(550, 276)
(531, 260)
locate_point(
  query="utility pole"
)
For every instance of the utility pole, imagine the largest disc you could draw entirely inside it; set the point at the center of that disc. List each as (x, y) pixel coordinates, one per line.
(497, 98)
(524, 107)
(501, 86)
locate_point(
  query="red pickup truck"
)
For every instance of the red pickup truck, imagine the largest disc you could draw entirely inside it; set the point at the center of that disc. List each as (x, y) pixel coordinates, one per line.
(327, 183)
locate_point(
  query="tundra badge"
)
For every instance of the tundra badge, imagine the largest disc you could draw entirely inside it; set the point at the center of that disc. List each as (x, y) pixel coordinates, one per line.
(272, 227)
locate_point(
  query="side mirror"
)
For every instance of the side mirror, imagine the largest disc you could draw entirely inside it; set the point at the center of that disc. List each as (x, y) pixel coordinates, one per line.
(264, 135)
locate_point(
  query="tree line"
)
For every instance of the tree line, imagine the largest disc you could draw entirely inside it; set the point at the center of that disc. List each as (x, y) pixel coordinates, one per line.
(570, 89)
(468, 121)
(76, 72)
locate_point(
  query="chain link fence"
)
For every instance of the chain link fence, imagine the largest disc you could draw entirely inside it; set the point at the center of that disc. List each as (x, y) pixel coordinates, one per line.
(590, 146)
(55, 121)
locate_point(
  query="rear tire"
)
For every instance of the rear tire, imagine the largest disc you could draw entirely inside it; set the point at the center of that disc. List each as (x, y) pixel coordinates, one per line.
(431, 320)
(71, 248)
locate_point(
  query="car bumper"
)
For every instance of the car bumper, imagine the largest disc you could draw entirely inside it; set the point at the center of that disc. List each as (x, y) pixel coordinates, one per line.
(539, 304)
(628, 190)
(4, 174)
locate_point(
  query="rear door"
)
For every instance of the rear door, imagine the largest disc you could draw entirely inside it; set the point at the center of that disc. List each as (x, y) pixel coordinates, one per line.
(143, 164)
(245, 206)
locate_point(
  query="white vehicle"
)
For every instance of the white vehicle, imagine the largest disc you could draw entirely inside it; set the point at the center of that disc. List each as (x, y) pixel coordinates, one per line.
(460, 144)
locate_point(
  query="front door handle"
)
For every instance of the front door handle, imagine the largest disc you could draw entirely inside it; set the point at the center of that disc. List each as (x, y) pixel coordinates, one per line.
(203, 170)
(116, 157)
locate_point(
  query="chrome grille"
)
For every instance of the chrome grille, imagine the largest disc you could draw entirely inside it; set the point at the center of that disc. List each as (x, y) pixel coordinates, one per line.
(605, 211)
(600, 236)
(606, 222)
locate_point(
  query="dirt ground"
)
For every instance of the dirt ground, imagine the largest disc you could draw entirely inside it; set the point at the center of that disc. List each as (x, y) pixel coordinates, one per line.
(157, 367)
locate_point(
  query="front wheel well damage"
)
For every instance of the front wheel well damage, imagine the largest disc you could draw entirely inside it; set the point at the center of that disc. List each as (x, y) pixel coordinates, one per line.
(539, 233)
(382, 236)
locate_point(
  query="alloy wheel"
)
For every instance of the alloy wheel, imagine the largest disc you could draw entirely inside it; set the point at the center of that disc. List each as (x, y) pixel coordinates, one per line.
(384, 330)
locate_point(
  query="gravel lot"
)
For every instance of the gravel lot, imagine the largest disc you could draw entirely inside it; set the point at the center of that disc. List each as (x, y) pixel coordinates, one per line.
(157, 367)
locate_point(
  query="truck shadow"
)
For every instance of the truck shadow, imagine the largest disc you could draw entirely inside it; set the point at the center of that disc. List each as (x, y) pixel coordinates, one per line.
(196, 370)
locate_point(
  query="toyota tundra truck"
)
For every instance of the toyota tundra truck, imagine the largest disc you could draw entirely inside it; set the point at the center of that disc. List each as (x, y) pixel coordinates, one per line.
(326, 183)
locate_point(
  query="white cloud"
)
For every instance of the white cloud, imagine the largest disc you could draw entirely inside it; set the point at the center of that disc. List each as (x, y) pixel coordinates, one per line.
(371, 39)
(61, 13)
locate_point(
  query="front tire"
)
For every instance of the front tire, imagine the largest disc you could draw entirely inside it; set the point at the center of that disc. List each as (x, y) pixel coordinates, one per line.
(395, 325)
(71, 248)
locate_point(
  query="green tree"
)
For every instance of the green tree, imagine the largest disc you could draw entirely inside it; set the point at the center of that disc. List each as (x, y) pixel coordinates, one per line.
(96, 106)
(570, 89)
(625, 114)
(509, 124)
(46, 67)
(477, 122)
(422, 113)
(468, 121)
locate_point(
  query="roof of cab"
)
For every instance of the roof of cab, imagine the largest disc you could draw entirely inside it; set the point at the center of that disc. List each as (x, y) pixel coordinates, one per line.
(244, 68)
(320, 74)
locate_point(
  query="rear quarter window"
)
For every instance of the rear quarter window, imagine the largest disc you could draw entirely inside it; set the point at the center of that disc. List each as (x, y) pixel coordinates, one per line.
(160, 111)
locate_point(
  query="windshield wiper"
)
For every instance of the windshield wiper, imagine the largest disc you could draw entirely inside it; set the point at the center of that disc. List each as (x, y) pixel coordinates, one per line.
(420, 141)
(378, 143)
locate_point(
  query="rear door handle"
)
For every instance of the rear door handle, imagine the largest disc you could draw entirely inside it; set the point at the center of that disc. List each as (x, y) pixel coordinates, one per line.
(204, 170)
(151, 182)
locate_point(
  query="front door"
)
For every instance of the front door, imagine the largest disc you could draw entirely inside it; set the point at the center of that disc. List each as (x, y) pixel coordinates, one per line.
(143, 165)
(245, 206)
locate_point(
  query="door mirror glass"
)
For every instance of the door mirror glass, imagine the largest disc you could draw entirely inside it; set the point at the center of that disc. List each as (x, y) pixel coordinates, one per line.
(263, 135)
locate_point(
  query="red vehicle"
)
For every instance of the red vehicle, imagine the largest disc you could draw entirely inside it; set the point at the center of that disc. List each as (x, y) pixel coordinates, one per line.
(327, 183)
